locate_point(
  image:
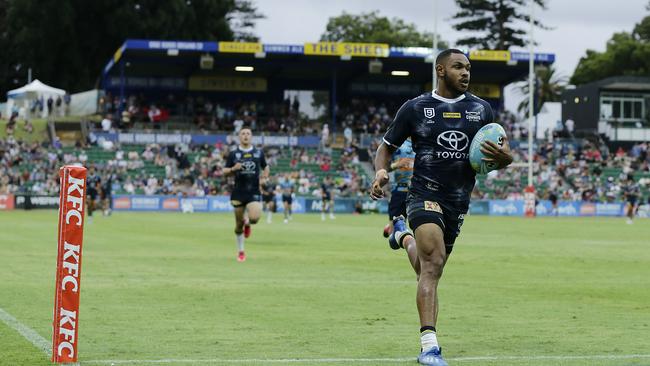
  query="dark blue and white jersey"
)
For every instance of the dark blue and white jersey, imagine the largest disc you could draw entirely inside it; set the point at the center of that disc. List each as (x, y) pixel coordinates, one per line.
(247, 180)
(402, 176)
(441, 131)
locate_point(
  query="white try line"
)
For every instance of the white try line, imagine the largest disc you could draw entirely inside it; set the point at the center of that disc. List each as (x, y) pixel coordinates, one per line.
(42, 344)
(360, 360)
(27, 332)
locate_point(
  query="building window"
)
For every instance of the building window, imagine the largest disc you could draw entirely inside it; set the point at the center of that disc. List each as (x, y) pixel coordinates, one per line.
(622, 107)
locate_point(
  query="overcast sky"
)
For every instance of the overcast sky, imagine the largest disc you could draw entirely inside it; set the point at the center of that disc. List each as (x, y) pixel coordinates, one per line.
(578, 25)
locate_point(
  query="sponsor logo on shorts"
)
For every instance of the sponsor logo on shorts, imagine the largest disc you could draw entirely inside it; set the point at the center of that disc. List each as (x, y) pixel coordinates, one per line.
(235, 203)
(451, 115)
(432, 206)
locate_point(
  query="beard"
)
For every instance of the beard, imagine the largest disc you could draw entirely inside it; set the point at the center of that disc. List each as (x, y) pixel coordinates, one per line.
(453, 85)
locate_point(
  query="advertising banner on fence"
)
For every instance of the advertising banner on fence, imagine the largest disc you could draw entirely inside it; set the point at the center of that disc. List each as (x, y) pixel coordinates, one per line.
(27, 202)
(506, 208)
(342, 205)
(6, 201)
(609, 209)
(68, 264)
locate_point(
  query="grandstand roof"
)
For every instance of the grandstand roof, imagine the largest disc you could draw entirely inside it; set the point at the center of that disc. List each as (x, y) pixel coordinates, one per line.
(297, 66)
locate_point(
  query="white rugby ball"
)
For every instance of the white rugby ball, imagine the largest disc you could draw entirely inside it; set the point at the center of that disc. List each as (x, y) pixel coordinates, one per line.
(490, 132)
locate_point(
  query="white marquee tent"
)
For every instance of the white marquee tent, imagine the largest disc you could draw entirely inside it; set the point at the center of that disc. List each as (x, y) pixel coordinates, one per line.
(25, 96)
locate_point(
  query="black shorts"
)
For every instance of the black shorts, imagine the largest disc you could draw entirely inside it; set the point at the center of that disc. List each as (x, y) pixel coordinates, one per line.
(286, 198)
(241, 199)
(421, 211)
(92, 193)
(267, 198)
(632, 200)
(397, 204)
(327, 197)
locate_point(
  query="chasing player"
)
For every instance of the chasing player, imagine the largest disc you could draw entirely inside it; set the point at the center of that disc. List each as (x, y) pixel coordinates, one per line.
(94, 187)
(287, 197)
(632, 192)
(400, 237)
(441, 125)
(247, 164)
(268, 197)
(326, 198)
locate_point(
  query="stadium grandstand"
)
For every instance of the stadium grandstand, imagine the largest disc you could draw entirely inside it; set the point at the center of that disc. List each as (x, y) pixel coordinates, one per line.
(168, 111)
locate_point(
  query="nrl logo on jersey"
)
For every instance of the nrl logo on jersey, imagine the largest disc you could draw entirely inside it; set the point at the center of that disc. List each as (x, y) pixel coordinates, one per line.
(429, 112)
(473, 116)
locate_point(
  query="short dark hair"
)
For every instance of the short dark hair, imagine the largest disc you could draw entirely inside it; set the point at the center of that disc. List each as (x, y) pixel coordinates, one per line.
(246, 127)
(442, 56)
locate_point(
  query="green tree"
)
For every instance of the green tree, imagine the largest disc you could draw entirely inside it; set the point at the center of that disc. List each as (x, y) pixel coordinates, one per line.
(371, 27)
(548, 88)
(625, 54)
(66, 43)
(494, 21)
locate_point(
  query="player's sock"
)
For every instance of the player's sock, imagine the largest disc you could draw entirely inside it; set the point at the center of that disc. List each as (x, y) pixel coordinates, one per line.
(428, 338)
(240, 242)
(269, 216)
(322, 216)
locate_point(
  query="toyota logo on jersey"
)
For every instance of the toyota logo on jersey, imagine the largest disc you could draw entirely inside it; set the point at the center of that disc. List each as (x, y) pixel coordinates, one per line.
(453, 140)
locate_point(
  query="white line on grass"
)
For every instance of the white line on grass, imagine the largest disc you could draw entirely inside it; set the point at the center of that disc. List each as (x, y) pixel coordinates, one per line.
(41, 343)
(27, 332)
(362, 360)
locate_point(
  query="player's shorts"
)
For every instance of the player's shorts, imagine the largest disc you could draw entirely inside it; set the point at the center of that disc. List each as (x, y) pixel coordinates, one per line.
(267, 198)
(238, 199)
(632, 201)
(397, 204)
(92, 193)
(286, 198)
(421, 211)
(327, 197)
(105, 195)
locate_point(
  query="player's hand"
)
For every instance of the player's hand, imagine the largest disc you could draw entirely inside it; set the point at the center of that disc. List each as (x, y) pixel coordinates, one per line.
(495, 153)
(236, 167)
(377, 190)
(402, 163)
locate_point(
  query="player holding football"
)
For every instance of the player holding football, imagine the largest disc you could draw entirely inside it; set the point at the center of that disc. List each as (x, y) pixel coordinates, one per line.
(247, 164)
(441, 125)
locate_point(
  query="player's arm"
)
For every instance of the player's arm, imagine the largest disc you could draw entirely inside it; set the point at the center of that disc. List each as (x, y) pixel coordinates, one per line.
(232, 170)
(265, 174)
(398, 132)
(382, 165)
(231, 167)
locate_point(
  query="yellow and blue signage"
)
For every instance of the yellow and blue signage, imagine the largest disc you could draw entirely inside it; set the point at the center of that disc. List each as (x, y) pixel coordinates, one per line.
(347, 48)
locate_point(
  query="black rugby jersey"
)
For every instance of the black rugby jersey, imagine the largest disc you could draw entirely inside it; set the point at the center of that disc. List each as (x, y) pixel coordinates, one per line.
(247, 180)
(441, 132)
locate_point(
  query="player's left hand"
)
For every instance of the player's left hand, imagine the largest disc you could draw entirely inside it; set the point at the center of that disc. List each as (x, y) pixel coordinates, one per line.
(495, 153)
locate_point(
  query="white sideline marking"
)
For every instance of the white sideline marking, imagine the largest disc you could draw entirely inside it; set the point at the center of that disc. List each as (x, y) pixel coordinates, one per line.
(362, 360)
(27, 332)
(41, 343)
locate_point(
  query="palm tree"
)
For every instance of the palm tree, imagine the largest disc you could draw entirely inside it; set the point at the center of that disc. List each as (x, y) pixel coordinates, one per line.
(550, 85)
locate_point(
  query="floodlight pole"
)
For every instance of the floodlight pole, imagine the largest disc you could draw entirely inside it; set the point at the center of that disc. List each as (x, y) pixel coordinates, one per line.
(531, 107)
(434, 51)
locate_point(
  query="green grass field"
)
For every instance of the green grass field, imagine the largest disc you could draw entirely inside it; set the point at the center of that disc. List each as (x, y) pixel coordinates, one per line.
(165, 289)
